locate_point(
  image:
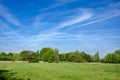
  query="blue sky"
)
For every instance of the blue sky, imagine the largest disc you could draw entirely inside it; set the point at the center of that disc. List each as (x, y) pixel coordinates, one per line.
(85, 25)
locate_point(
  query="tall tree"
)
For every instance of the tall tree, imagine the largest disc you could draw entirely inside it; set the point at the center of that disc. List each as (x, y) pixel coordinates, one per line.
(96, 57)
(56, 55)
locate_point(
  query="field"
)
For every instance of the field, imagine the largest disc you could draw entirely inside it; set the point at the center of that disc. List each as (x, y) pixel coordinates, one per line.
(59, 71)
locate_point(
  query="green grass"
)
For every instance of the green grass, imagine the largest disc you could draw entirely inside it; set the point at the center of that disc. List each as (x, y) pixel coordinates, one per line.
(63, 71)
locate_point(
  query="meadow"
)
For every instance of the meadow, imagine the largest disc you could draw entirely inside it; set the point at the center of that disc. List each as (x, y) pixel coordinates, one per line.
(59, 71)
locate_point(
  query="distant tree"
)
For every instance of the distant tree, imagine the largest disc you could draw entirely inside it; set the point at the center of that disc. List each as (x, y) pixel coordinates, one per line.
(47, 54)
(17, 57)
(112, 57)
(117, 52)
(96, 57)
(25, 54)
(78, 56)
(10, 56)
(56, 55)
(115, 58)
(33, 57)
(88, 58)
(108, 58)
(71, 56)
(62, 57)
(3, 56)
(92, 58)
(38, 52)
(84, 56)
(43, 51)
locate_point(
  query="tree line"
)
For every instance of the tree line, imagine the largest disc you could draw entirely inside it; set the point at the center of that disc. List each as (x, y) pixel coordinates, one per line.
(50, 55)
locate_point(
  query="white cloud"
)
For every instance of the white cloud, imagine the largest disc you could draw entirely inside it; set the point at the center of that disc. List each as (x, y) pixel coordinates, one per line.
(101, 14)
(77, 19)
(43, 37)
(94, 21)
(5, 30)
(8, 16)
(59, 3)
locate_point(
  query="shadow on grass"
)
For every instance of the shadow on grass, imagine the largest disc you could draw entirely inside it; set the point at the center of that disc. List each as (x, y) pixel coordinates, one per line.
(7, 75)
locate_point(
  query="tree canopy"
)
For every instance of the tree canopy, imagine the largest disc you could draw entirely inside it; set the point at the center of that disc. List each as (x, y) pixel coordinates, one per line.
(48, 54)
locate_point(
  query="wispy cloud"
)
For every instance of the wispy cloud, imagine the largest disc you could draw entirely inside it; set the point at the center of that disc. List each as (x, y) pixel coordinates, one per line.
(6, 30)
(76, 19)
(4, 12)
(101, 14)
(78, 15)
(43, 37)
(94, 21)
(59, 3)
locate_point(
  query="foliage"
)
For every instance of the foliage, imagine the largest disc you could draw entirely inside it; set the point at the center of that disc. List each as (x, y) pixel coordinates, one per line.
(62, 57)
(25, 54)
(96, 57)
(112, 58)
(56, 55)
(117, 52)
(34, 58)
(47, 55)
(75, 56)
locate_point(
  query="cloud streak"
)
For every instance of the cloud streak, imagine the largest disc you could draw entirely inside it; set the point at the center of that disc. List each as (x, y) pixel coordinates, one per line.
(109, 11)
(59, 3)
(94, 21)
(77, 19)
(8, 16)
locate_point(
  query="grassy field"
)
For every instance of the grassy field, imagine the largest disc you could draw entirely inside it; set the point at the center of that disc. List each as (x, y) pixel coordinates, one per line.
(62, 71)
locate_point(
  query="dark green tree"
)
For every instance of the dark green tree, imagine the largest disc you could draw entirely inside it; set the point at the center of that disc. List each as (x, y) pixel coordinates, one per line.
(62, 57)
(33, 57)
(3, 56)
(88, 58)
(25, 54)
(10, 56)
